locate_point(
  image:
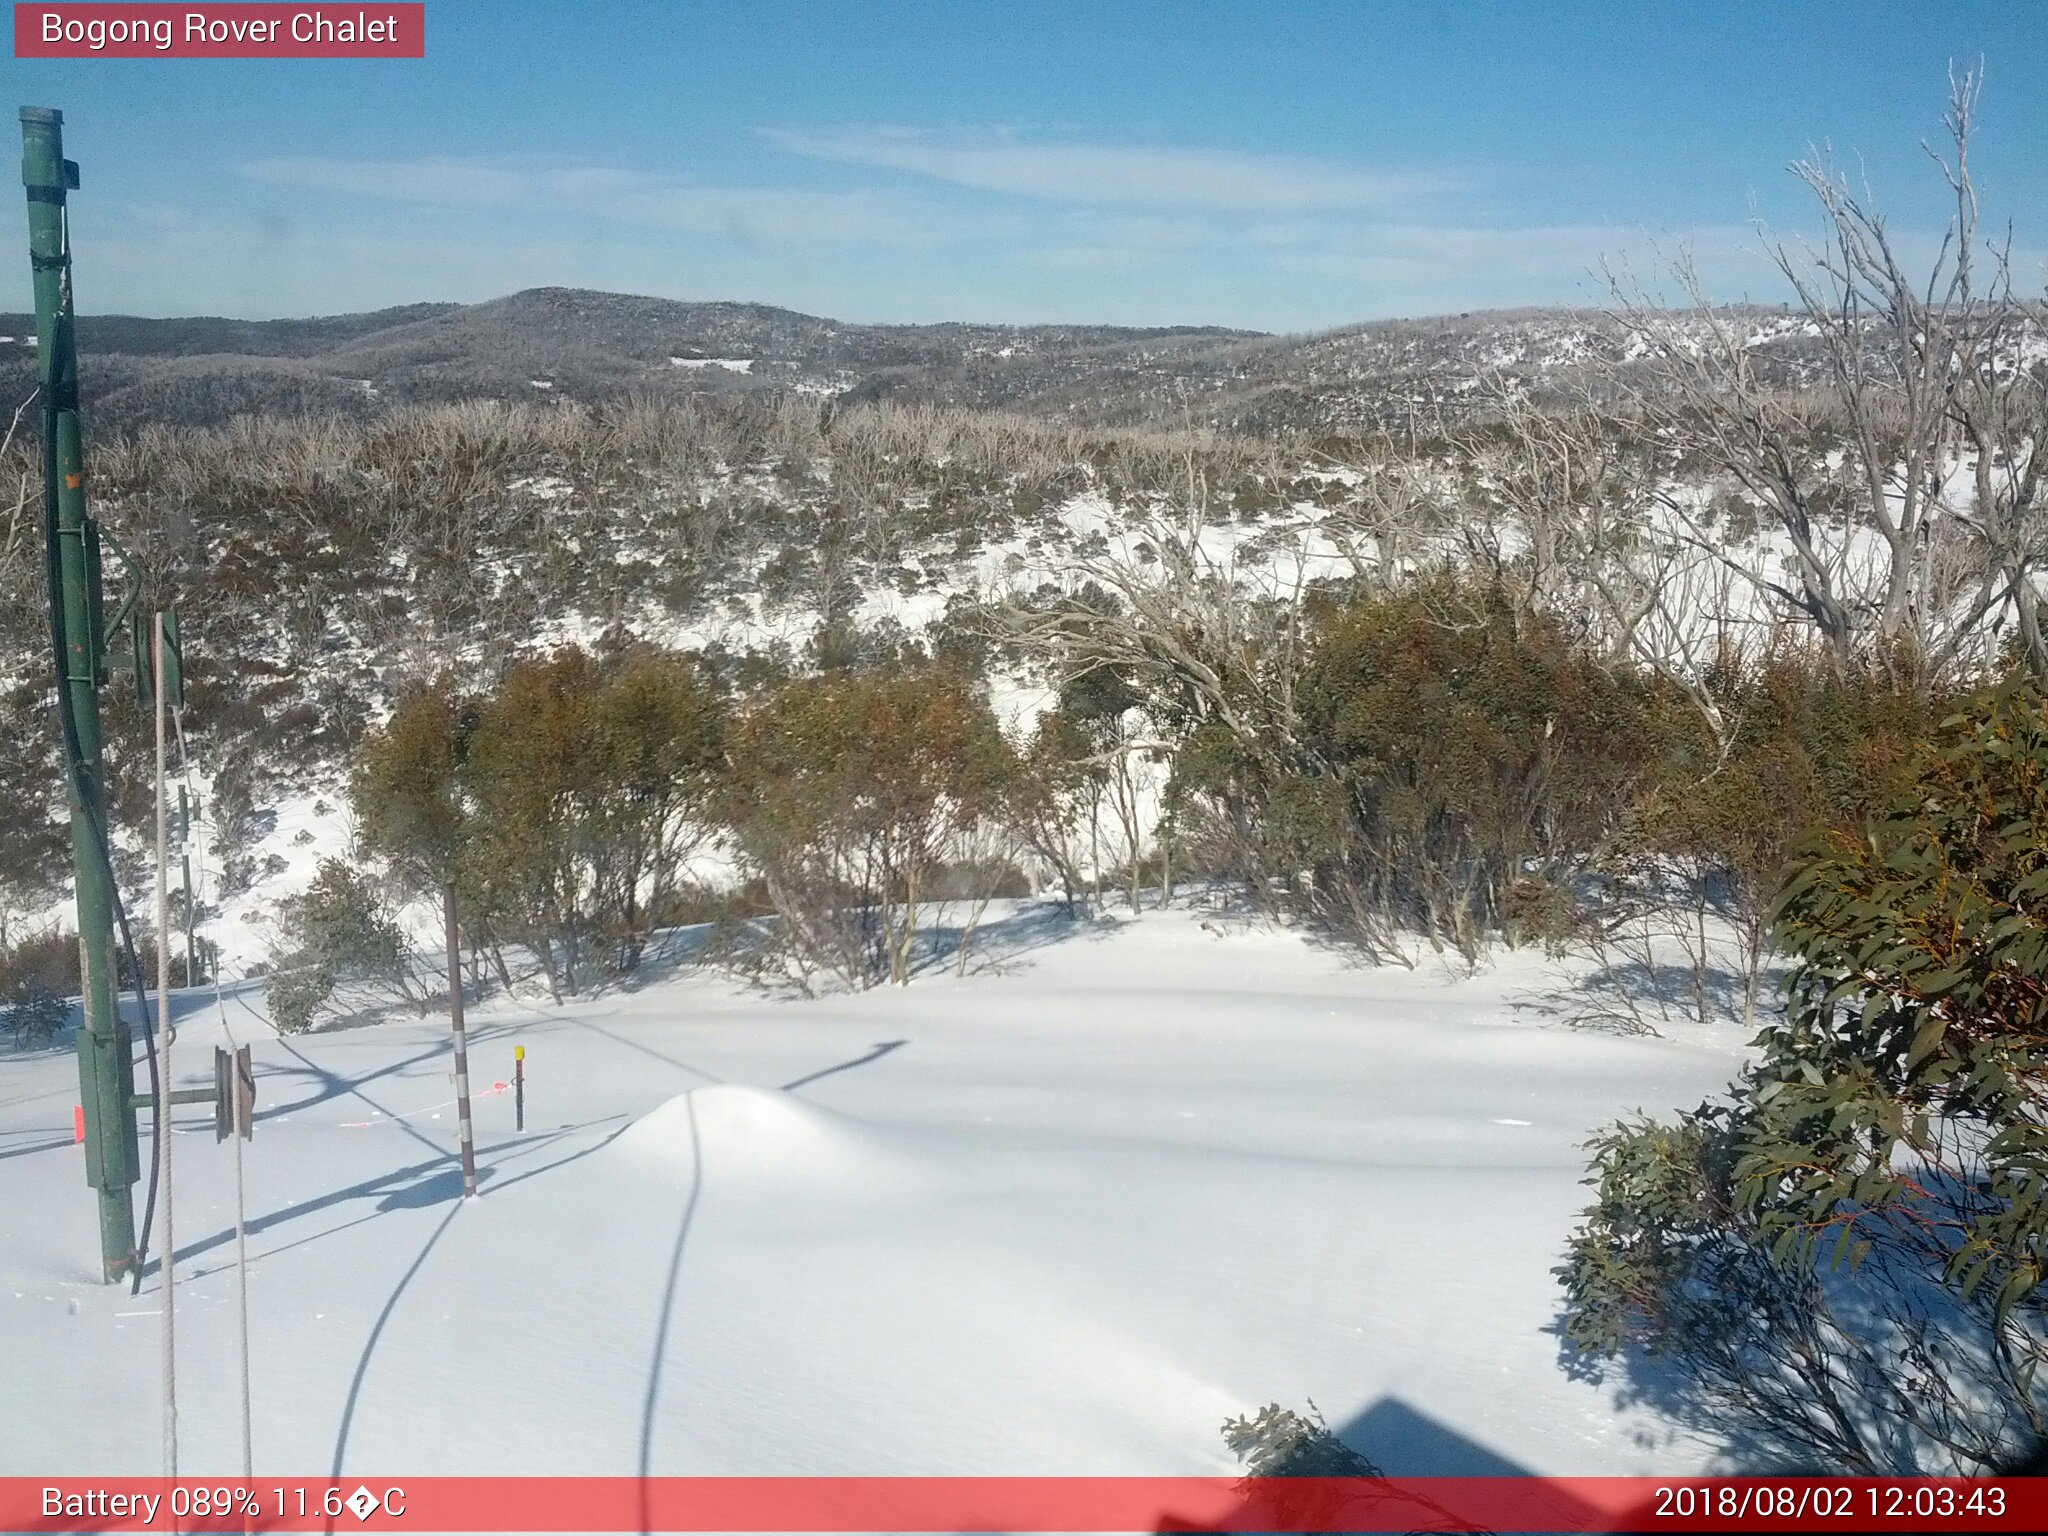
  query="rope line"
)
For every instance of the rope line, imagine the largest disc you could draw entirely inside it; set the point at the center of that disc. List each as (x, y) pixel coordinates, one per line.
(221, 1008)
(163, 1049)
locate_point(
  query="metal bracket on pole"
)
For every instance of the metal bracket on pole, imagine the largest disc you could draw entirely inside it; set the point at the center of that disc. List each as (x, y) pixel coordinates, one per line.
(177, 1096)
(130, 616)
(233, 1094)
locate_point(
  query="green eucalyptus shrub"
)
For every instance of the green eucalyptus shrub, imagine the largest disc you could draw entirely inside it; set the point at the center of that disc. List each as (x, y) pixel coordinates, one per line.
(1477, 746)
(1841, 1260)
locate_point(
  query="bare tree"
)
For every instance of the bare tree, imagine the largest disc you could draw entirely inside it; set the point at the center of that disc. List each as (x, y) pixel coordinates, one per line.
(1568, 510)
(1923, 530)
(1393, 509)
(21, 538)
(1212, 637)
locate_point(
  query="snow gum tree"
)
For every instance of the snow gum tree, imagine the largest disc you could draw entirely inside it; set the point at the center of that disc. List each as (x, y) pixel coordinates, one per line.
(1844, 1257)
(1053, 797)
(411, 807)
(847, 791)
(1789, 747)
(1475, 748)
(535, 795)
(592, 781)
(1105, 709)
(656, 756)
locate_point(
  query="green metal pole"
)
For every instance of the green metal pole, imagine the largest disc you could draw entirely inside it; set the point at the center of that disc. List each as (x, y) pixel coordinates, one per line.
(106, 1060)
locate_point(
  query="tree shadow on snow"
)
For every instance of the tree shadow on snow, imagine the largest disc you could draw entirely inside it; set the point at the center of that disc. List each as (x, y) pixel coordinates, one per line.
(40, 1146)
(995, 947)
(417, 1186)
(666, 952)
(362, 1370)
(1883, 1305)
(647, 1050)
(881, 1049)
(651, 1401)
(331, 1084)
(1642, 997)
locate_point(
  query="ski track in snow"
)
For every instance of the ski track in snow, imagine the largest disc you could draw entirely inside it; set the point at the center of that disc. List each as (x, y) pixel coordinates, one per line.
(1065, 1218)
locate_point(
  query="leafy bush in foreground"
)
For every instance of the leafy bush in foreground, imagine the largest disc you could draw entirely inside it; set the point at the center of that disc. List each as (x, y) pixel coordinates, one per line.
(1843, 1259)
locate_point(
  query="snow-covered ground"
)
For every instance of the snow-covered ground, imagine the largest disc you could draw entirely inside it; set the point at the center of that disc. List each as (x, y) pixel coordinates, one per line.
(1064, 1215)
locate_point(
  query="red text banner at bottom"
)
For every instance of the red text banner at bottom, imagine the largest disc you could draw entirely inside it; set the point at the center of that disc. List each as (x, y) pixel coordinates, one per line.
(384, 1503)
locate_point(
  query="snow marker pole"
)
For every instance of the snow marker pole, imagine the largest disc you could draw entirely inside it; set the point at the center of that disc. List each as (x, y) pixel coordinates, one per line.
(518, 1087)
(169, 1246)
(242, 1286)
(461, 1040)
(185, 859)
(234, 1114)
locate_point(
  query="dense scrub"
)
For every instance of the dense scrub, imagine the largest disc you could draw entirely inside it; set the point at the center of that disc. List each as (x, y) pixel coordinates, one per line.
(1466, 768)
(1574, 670)
(324, 564)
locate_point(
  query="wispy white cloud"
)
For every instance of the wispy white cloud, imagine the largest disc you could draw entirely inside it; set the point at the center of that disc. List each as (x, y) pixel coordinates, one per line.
(769, 216)
(1117, 175)
(1418, 267)
(1205, 248)
(1093, 260)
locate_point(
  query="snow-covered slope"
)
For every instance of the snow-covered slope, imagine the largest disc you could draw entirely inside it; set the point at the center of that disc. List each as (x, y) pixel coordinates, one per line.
(1062, 1219)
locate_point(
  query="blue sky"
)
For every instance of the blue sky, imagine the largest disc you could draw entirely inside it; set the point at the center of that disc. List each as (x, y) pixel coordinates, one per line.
(1281, 166)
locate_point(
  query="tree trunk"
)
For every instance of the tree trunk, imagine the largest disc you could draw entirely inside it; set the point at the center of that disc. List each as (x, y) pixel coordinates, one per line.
(544, 948)
(461, 1040)
(498, 964)
(1756, 938)
(633, 940)
(899, 961)
(967, 933)
(1700, 951)
(1094, 845)
(1127, 813)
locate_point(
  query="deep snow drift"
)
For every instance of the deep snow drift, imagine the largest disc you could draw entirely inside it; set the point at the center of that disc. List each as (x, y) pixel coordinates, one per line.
(1064, 1215)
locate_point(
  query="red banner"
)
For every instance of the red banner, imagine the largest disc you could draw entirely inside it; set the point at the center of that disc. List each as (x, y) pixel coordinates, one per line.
(247, 31)
(1031, 1504)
